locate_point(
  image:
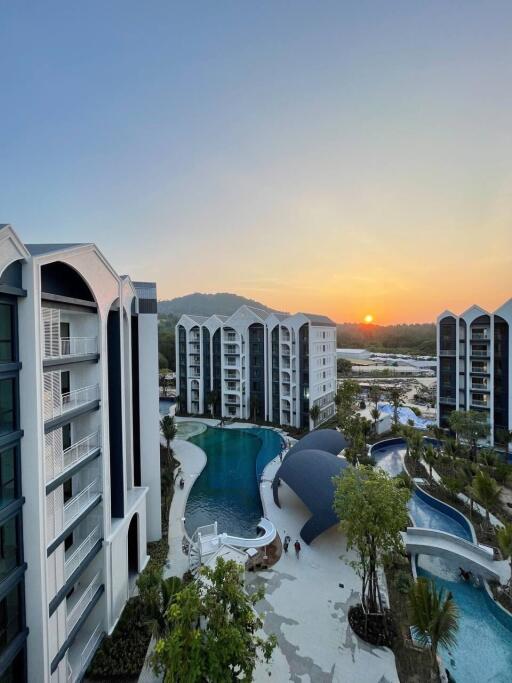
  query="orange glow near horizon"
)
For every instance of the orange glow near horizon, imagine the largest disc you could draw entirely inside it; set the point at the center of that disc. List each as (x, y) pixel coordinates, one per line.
(368, 318)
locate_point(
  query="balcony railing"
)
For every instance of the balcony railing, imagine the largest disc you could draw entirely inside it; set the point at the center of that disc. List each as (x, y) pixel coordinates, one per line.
(479, 403)
(83, 601)
(447, 352)
(447, 399)
(81, 449)
(480, 336)
(91, 645)
(66, 402)
(78, 555)
(479, 352)
(68, 347)
(78, 503)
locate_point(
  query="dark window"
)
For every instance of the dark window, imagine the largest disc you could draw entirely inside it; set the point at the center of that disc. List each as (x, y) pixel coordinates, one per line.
(68, 490)
(64, 330)
(10, 617)
(15, 672)
(9, 547)
(64, 382)
(68, 541)
(66, 436)
(7, 413)
(6, 333)
(8, 484)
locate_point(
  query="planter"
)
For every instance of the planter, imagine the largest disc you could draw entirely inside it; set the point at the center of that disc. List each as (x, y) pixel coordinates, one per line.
(370, 627)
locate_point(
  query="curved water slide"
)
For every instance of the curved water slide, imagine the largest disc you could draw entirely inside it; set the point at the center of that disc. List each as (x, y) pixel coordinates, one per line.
(269, 534)
(476, 558)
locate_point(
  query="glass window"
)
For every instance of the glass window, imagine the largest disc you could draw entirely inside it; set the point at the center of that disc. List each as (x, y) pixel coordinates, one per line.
(15, 672)
(9, 551)
(6, 333)
(7, 415)
(8, 488)
(66, 436)
(64, 382)
(10, 617)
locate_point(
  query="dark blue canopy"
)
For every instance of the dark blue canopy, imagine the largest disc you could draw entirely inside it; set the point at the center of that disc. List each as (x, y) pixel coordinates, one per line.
(321, 440)
(309, 472)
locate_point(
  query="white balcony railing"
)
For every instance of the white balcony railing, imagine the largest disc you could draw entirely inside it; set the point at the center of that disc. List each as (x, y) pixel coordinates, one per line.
(78, 503)
(56, 406)
(77, 556)
(81, 604)
(81, 449)
(90, 646)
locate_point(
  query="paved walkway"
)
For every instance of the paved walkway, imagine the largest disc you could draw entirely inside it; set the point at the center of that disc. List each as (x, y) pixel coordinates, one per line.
(307, 609)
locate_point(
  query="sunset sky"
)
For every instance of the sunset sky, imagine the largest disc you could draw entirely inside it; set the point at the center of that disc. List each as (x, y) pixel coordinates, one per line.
(347, 158)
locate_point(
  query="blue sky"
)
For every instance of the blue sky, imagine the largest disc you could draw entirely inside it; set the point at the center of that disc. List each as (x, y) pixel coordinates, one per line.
(308, 154)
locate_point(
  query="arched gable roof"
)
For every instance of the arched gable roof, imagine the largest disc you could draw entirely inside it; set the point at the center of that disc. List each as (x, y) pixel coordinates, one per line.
(321, 439)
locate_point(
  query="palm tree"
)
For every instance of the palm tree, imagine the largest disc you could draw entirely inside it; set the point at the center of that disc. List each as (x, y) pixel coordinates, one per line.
(374, 394)
(169, 429)
(374, 412)
(157, 596)
(487, 491)
(504, 536)
(430, 457)
(435, 616)
(314, 414)
(396, 397)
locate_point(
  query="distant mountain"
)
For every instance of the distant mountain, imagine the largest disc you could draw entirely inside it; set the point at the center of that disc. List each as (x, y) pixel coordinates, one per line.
(222, 303)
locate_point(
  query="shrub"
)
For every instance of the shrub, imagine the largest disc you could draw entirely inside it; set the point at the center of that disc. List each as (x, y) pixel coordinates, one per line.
(403, 582)
(416, 411)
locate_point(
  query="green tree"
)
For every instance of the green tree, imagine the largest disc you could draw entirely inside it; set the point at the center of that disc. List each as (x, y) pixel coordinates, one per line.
(434, 615)
(169, 430)
(470, 426)
(157, 595)
(213, 630)
(486, 491)
(314, 414)
(372, 509)
(374, 394)
(504, 536)
(417, 446)
(396, 397)
(430, 456)
(346, 402)
(344, 367)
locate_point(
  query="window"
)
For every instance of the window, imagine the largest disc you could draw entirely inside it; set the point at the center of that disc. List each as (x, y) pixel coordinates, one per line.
(6, 333)
(8, 484)
(66, 436)
(9, 547)
(64, 382)
(10, 617)
(64, 331)
(15, 672)
(68, 541)
(7, 413)
(68, 490)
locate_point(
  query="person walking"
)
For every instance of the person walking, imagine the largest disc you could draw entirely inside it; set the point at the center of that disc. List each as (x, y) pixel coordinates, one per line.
(297, 548)
(285, 545)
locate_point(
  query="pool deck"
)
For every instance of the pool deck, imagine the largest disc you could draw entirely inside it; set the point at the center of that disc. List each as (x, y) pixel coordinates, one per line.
(307, 609)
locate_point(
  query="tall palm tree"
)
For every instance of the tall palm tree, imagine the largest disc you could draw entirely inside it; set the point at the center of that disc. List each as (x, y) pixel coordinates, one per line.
(374, 412)
(314, 414)
(434, 614)
(487, 491)
(169, 429)
(430, 457)
(396, 397)
(504, 536)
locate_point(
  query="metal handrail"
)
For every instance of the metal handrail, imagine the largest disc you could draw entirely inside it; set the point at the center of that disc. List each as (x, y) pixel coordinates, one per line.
(71, 346)
(81, 449)
(79, 502)
(78, 555)
(90, 646)
(82, 602)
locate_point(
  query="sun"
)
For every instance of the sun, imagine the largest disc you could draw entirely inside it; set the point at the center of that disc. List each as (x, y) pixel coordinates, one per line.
(368, 318)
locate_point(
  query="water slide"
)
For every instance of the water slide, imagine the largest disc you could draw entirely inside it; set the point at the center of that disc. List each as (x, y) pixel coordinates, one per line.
(472, 557)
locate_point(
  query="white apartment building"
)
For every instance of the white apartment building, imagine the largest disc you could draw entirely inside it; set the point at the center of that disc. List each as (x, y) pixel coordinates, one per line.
(84, 352)
(474, 368)
(255, 364)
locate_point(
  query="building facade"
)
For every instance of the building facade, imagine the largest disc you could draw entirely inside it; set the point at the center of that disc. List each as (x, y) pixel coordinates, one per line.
(80, 414)
(473, 367)
(257, 365)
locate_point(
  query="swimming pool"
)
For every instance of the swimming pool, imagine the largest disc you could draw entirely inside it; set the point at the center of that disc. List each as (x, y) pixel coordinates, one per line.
(483, 653)
(227, 490)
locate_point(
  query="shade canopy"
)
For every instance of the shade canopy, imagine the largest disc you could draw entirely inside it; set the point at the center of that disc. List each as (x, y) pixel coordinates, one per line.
(309, 473)
(321, 440)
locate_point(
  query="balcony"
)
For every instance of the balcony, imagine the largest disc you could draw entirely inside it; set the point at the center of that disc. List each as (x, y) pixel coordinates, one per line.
(480, 353)
(449, 400)
(57, 463)
(77, 504)
(480, 336)
(194, 338)
(69, 347)
(194, 373)
(80, 605)
(447, 353)
(479, 403)
(55, 406)
(75, 558)
(81, 660)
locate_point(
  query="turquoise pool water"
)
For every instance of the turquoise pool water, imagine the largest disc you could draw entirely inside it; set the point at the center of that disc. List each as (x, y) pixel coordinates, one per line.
(483, 653)
(227, 490)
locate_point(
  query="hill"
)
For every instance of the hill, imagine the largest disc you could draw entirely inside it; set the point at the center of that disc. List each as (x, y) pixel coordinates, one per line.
(222, 303)
(419, 338)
